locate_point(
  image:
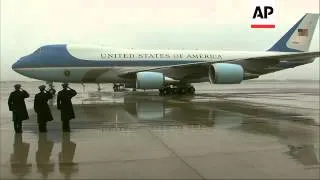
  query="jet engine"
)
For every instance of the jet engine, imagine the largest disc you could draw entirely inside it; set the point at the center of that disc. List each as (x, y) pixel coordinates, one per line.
(151, 80)
(224, 73)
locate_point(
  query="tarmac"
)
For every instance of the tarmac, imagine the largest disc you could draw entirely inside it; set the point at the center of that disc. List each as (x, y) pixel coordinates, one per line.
(251, 130)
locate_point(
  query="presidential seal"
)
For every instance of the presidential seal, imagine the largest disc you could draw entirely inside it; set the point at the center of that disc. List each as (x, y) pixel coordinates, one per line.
(67, 73)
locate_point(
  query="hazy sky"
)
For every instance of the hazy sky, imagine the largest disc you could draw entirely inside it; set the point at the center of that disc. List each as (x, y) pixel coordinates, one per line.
(148, 24)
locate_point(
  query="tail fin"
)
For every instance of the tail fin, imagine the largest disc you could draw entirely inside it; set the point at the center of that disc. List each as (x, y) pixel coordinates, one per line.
(298, 38)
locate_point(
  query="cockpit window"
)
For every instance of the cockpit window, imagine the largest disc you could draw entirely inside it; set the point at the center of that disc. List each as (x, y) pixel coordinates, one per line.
(38, 50)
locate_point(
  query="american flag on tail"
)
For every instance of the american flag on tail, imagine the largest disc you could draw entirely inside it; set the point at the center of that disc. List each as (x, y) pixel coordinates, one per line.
(302, 32)
(301, 37)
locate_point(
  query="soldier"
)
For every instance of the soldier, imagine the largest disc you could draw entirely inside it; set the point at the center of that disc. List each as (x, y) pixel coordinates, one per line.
(64, 104)
(18, 107)
(42, 108)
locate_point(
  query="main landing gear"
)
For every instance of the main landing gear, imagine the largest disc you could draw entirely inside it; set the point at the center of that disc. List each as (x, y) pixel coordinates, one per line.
(181, 90)
(117, 87)
(99, 87)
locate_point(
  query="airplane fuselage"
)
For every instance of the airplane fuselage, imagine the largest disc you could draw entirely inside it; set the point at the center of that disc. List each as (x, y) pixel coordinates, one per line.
(170, 71)
(96, 64)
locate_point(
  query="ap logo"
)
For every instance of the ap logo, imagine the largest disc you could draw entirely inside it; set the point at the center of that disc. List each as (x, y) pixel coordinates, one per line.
(263, 14)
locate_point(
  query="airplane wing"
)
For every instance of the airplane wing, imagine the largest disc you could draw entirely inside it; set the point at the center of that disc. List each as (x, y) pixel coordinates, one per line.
(193, 72)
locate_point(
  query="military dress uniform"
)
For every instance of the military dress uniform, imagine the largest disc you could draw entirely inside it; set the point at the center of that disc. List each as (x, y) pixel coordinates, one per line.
(42, 109)
(18, 107)
(64, 104)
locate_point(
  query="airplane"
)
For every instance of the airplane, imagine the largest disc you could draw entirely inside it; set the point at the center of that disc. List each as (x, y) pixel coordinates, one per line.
(170, 71)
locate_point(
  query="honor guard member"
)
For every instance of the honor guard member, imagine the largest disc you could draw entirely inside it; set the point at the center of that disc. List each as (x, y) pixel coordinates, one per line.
(42, 108)
(18, 107)
(64, 104)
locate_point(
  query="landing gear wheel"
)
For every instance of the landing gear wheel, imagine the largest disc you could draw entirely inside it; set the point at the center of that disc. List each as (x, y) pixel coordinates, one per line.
(99, 88)
(177, 90)
(191, 90)
(161, 92)
(165, 91)
(115, 88)
(183, 91)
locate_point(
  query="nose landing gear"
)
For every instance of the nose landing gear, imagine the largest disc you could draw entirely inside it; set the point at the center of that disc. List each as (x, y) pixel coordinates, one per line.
(99, 87)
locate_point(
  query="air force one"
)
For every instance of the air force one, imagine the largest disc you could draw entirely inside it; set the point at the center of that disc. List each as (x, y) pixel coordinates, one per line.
(170, 71)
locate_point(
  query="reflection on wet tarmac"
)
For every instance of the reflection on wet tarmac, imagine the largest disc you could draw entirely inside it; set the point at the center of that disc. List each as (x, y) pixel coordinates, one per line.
(19, 157)
(66, 165)
(306, 154)
(129, 112)
(43, 154)
(206, 113)
(236, 115)
(124, 134)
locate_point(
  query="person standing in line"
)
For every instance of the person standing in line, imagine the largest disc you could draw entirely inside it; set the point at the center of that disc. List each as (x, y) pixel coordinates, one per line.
(42, 109)
(18, 107)
(64, 104)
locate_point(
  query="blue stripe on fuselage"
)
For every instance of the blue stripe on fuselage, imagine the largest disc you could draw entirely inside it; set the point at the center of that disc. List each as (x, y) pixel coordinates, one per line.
(58, 56)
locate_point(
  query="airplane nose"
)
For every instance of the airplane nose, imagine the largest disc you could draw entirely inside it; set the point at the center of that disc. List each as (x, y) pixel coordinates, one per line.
(16, 64)
(21, 63)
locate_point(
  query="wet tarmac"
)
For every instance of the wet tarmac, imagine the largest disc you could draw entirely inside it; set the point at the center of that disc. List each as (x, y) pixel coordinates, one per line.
(250, 130)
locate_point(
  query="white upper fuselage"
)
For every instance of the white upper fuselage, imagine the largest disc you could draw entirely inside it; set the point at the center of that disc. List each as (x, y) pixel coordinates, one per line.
(100, 53)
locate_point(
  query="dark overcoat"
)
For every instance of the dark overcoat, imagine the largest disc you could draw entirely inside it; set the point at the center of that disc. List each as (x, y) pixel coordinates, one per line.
(64, 104)
(42, 108)
(17, 105)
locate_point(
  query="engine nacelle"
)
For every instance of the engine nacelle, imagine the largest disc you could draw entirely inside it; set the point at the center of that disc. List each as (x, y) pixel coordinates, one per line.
(149, 80)
(224, 73)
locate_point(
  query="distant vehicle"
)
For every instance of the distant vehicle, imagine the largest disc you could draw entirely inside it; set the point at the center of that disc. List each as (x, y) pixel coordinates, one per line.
(170, 71)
